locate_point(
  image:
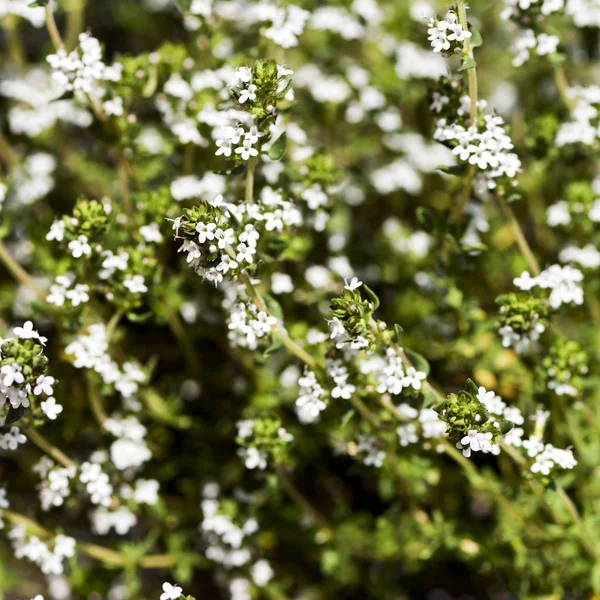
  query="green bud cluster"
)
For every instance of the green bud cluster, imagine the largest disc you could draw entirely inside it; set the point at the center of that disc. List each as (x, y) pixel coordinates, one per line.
(463, 412)
(89, 219)
(522, 312)
(564, 367)
(354, 312)
(26, 353)
(266, 437)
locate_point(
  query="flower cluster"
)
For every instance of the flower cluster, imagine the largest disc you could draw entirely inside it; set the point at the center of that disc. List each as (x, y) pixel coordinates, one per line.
(90, 351)
(50, 560)
(583, 128)
(563, 283)
(257, 91)
(485, 145)
(82, 69)
(260, 439)
(23, 378)
(447, 35)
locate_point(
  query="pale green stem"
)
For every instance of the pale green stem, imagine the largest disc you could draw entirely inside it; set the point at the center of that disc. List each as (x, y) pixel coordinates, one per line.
(520, 237)
(560, 78)
(471, 73)
(34, 436)
(106, 555)
(17, 271)
(249, 192)
(52, 28)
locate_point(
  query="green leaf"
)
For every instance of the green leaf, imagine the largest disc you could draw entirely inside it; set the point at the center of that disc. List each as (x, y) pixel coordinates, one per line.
(471, 387)
(372, 296)
(419, 362)
(467, 63)
(346, 419)
(139, 317)
(505, 425)
(476, 39)
(281, 95)
(458, 170)
(277, 149)
(514, 197)
(276, 344)
(273, 307)
(398, 331)
(15, 414)
(37, 3)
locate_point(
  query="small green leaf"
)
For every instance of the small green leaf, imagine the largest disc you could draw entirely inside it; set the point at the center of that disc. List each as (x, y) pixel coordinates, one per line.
(419, 362)
(139, 317)
(37, 3)
(398, 331)
(273, 307)
(476, 39)
(281, 95)
(277, 150)
(15, 414)
(346, 419)
(277, 343)
(505, 425)
(471, 387)
(514, 197)
(372, 296)
(468, 63)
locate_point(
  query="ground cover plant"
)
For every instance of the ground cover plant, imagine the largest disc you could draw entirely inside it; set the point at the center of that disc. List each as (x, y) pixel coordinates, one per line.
(299, 301)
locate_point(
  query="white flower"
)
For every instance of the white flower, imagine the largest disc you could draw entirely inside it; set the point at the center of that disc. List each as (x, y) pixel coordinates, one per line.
(248, 94)
(51, 408)
(170, 592)
(80, 247)
(57, 231)
(262, 573)
(354, 284)
(43, 385)
(151, 233)
(246, 150)
(135, 284)
(27, 332)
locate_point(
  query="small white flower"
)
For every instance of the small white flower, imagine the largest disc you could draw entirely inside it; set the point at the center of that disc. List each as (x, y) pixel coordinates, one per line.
(80, 247)
(170, 592)
(135, 284)
(51, 408)
(248, 94)
(354, 284)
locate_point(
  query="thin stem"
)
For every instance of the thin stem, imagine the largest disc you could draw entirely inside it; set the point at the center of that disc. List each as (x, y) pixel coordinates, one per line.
(43, 444)
(249, 195)
(300, 499)
(74, 21)
(52, 28)
(362, 408)
(124, 184)
(520, 237)
(7, 155)
(19, 273)
(468, 50)
(466, 193)
(95, 402)
(105, 555)
(560, 78)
